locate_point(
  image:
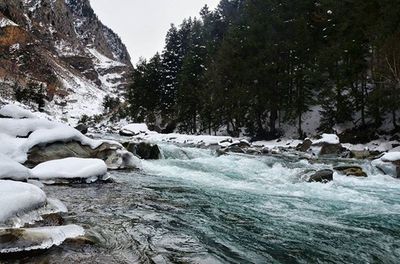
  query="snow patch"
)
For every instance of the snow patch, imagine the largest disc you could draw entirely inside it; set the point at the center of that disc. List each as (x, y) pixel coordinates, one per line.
(18, 197)
(70, 168)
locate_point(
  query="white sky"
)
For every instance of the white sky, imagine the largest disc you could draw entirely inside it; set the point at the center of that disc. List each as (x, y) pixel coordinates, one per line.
(143, 24)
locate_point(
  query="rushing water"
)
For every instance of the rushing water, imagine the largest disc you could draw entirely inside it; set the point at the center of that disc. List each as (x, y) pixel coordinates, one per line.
(195, 207)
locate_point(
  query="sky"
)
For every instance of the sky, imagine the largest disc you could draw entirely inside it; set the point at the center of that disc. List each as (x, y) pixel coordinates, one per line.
(143, 24)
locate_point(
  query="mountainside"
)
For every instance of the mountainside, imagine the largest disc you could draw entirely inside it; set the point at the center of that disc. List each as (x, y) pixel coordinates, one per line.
(61, 47)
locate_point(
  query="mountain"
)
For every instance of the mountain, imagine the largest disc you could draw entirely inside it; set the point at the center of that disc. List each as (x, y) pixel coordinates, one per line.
(62, 47)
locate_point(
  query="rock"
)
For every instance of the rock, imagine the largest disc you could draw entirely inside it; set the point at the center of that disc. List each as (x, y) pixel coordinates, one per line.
(389, 164)
(52, 220)
(126, 133)
(155, 128)
(330, 149)
(329, 145)
(220, 152)
(306, 145)
(169, 128)
(144, 150)
(253, 151)
(115, 156)
(360, 154)
(265, 151)
(235, 149)
(323, 176)
(82, 128)
(351, 171)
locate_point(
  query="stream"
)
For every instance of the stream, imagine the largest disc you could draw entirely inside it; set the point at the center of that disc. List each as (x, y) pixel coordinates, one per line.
(195, 207)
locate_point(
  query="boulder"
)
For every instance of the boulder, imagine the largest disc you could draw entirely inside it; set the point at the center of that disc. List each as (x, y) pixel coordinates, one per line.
(126, 133)
(360, 154)
(155, 128)
(144, 150)
(389, 164)
(330, 149)
(115, 156)
(306, 145)
(235, 149)
(355, 171)
(329, 145)
(82, 128)
(323, 176)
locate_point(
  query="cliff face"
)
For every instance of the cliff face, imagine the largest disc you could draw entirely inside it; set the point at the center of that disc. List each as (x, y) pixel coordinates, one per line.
(63, 46)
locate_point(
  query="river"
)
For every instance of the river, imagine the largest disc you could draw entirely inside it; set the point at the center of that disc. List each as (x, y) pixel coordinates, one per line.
(195, 207)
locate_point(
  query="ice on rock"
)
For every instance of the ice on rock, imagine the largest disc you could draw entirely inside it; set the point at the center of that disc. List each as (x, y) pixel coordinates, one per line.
(70, 168)
(28, 239)
(18, 198)
(389, 164)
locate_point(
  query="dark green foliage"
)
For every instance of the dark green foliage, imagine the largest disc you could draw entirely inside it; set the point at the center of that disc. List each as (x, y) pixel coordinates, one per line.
(34, 93)
(253, 64)
(111, 103)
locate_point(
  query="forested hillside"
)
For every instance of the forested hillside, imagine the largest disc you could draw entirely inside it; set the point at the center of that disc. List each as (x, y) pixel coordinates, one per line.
(257, 64)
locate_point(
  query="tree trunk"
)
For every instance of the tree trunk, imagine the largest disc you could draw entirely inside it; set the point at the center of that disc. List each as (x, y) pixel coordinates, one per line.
(300, 128)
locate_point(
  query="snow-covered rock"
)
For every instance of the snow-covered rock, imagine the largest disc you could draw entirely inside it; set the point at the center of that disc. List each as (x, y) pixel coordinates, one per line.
(28, 239)
(70, 168)
(329, 144)
(17, 198)
(389, 163)
(196, 140)
(330, 139)
(38, 140)
(134, 129)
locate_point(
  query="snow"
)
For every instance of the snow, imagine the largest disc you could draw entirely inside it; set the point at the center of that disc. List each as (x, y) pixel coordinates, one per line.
(103, 65)
(391, 157)
(18, 197)
(281, 143)
(328, 139)
(10, 169)
(39, 238)
(103, 61)
(41, 132)
(70, 168)
(84, 98)
(15, 111)
(203, 140)
(379, 145)
(4, 22)
(135, 129)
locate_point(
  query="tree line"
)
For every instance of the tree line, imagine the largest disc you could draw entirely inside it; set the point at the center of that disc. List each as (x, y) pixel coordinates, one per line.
(250, 65)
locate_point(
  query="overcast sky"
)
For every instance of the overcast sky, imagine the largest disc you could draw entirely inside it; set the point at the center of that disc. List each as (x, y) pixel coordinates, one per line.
(143, 24)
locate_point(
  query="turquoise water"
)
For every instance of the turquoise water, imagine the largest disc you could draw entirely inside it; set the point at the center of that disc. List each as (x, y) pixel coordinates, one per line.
(195, 207)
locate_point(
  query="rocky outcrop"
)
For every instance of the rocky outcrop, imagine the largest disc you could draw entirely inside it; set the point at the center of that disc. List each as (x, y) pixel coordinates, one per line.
(115, 156)
(355, 171)
(61, 46)
(306, 145)
(144, 150)
(389, 164)
(322, 176)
